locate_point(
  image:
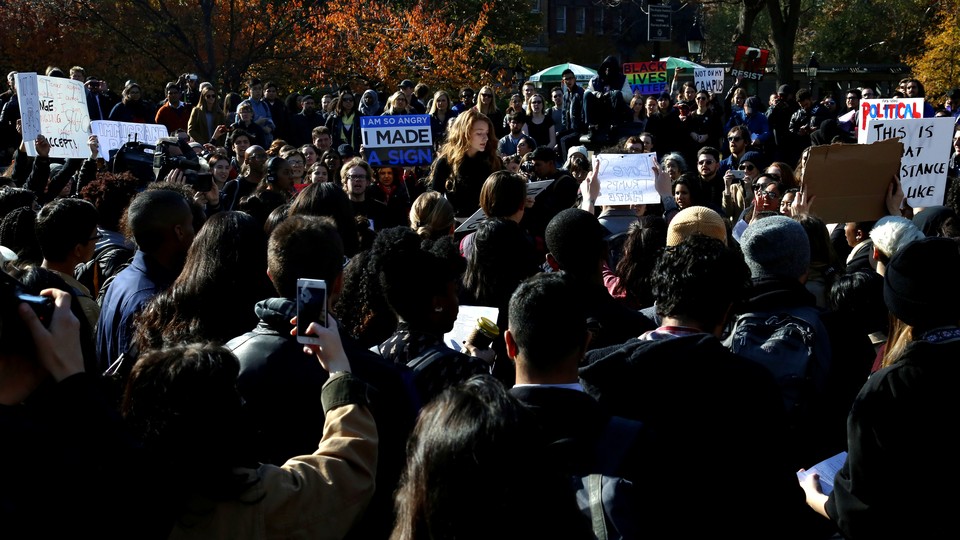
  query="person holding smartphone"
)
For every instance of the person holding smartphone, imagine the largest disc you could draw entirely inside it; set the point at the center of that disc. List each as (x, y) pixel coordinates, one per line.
(738, 184)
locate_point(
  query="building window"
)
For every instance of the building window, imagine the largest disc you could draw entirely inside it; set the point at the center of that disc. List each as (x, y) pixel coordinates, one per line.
(581, 20)
(561, 19)
(536, 7)
(598, 18)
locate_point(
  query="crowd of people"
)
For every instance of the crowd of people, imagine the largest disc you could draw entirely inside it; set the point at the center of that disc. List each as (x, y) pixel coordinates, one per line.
(154, 382)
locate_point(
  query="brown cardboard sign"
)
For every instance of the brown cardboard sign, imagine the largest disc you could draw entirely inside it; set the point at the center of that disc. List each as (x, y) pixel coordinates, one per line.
(850, 181)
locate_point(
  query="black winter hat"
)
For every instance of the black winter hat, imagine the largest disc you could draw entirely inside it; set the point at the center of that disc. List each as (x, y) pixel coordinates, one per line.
(918, 287)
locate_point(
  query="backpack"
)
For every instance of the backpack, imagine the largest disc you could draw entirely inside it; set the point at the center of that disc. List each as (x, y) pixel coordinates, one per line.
(608, 500)
(789, 344)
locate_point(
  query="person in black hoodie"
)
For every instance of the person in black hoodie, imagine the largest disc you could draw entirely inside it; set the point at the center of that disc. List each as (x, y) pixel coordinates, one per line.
(705, 406)
(605, 102)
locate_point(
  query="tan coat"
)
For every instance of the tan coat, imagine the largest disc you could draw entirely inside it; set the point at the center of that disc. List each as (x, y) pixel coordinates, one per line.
(317, 496)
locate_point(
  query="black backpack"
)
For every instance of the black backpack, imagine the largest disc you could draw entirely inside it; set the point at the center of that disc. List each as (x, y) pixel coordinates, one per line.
(608, 500)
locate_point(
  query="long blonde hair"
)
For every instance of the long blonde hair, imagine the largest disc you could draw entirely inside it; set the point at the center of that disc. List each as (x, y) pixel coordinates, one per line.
(492, 109)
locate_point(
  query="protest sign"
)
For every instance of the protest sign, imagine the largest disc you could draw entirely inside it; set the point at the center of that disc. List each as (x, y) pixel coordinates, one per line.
(749, 63)
(402, 140)
(887, 109)
(112, 135)
(472, 222)
(850, 181)
(626, 179)
(926, 151)
(646, 77)
(709, 79)
(57, 109)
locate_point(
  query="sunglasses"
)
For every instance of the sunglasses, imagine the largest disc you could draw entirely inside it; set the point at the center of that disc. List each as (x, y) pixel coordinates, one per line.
(486, 95)
(706, 162)
(734, 139)
(747, 167)
(762, 192)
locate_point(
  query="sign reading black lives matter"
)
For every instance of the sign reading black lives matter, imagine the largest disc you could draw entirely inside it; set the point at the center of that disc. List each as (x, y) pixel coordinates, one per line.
(403, 140)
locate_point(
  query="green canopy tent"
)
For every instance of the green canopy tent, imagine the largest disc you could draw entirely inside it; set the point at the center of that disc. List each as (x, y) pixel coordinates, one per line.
(552, 74)
(686, 66)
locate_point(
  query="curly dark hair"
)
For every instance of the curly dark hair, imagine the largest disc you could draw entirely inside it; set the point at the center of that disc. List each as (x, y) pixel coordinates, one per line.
(699, 279)
(362, 308)
(414, 271)
(111, 194)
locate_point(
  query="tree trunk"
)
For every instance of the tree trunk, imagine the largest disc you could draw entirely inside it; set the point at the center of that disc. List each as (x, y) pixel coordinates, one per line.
(784, 21)
(749, 10)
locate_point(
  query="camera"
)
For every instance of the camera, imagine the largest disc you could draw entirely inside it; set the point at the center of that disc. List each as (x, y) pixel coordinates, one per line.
(526, 167)
(161, 159)
(200, 181)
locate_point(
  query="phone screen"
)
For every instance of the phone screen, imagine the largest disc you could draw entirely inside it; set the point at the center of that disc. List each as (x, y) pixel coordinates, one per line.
(311, 305)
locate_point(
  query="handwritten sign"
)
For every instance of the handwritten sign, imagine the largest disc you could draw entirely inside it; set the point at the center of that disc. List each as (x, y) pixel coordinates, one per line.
(57, 109)
(709, 79)
(886, 109)
(626, 179)
(472, 222)
(749, 63)
(402, 140)
(112, 135)
(926, 151)
(646, 77)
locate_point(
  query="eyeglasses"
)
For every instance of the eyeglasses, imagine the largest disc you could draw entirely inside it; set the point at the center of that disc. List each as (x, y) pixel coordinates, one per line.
(706, 162)
(829, 103)
(747, 167)
(734, 139)
(486, 95)
(356, 177)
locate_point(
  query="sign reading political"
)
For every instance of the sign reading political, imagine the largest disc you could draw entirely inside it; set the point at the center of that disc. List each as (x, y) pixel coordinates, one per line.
(472, 222)
(403, 140)
(626, 179)
(926, 152)
(886, 109)
(658, 22)
(749, 63)
(57, 109)
(709, 79)
(646, 77)
(112, 135)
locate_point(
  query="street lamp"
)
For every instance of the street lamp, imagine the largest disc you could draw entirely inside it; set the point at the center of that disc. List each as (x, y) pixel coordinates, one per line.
(812, 67)
(695, 41)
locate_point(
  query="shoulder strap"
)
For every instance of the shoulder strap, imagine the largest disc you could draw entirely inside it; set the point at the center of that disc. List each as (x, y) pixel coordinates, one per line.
(428, 357)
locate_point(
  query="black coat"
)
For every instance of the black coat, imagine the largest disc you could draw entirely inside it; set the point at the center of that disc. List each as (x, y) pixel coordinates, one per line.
(708, 410)
(899, 477)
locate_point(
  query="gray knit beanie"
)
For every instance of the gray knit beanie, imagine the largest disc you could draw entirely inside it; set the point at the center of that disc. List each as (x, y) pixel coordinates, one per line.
(776, 247)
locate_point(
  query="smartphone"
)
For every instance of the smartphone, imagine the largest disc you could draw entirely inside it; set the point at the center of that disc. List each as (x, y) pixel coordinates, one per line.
(738, 174)
(311, 307)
